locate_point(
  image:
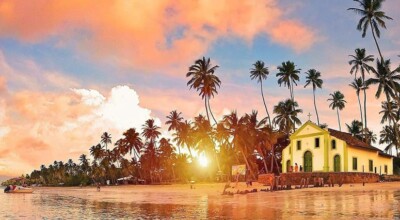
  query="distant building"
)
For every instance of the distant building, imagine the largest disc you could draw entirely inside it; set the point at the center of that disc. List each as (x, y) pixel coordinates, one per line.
(328, 150)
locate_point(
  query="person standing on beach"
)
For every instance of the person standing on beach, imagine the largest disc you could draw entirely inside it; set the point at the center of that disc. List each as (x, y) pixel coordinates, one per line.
(296, 168)
(98, 187)
(301, 168)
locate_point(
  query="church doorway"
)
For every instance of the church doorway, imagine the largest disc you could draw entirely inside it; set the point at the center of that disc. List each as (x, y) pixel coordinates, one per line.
(307, 161)
(287, 166)
(336, 163)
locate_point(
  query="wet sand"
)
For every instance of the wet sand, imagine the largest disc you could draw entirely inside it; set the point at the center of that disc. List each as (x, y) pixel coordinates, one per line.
(378, 200)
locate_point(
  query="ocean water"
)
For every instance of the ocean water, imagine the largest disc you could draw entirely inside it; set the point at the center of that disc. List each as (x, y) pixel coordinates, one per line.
(181, 203)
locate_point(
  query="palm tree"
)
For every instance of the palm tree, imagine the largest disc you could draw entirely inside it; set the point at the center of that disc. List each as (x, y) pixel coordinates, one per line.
(131, 142)
(388, 136)
(359, 63)
(388, 83)
(174, 120)
(355, 128)
(389, 115)
(175, 123)
(338, 102)
(286, 115)
(150, 130)
(288, 75)
(202, 79)
(184, 136)
(371, 17)
(314, 78)
(357, 84)
(260, 72)
(106, 139)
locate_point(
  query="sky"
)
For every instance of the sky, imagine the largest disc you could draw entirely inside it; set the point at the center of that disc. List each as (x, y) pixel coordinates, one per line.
(71, 70)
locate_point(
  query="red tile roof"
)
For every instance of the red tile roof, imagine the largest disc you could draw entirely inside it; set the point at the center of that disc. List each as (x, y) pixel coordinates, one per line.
(351, 140)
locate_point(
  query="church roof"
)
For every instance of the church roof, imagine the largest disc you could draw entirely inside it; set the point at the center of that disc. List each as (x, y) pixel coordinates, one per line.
(351, 140)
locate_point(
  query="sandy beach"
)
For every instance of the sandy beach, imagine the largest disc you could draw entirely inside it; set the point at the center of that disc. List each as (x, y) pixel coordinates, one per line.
(378, 200)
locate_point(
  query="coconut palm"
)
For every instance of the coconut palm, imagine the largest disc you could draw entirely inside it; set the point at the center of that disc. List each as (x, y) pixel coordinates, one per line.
(202, 79)
(389, 115)
(150, 130)
(174, 120)
(131, 142)
(357, 85)
(260, 72)
(106, 139)
(286, 115)
(388, 136)
(338, 102)
(355, 128)
(359, 63)
(314, 78)
(288, 75)
(184, 136)
(371, 17)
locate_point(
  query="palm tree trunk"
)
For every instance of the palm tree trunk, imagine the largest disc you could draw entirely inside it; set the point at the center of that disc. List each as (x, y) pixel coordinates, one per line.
(376, 42)
(359, 103)
(272, 159)
(190, 151)
(209, 108)
(365, 103)
(265, 105)
(394, 124)
(315, 106)
(338, 117)
(247, 164)
(205, 105)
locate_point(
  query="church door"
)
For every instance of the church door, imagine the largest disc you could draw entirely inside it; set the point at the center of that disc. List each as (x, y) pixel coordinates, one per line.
(307, 161)
(287, 166)
(336, 163)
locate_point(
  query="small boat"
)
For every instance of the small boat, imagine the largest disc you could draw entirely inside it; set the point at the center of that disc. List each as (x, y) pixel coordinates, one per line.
(18, 189)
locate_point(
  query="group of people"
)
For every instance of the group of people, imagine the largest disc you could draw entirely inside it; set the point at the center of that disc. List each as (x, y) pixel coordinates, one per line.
(295, 169)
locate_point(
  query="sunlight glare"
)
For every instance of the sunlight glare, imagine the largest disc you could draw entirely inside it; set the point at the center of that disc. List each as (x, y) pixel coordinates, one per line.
(203, 161)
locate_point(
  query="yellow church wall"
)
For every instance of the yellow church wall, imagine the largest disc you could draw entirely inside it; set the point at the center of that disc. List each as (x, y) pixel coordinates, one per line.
(340, 148)
(307, 144)
(363, 158)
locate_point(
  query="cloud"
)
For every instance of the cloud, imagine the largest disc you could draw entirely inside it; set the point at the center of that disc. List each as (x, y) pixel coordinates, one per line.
(149, 34)
(45, 126)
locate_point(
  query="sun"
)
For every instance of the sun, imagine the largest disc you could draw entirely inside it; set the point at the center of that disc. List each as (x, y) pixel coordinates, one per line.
(203, 161)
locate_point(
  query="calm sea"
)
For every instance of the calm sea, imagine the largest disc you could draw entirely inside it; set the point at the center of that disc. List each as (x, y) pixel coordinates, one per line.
(133, 204)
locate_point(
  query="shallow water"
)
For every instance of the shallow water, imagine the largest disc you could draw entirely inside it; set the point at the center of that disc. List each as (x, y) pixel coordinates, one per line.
(175, 203)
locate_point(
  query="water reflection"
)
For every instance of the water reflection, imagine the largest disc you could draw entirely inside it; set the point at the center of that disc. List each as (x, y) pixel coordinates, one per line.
(266, 205)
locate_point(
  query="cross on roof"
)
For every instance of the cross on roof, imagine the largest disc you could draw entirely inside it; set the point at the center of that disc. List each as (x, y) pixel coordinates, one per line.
(309, 116)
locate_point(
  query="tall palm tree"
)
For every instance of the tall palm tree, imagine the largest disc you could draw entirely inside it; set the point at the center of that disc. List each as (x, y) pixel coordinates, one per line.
(357, 85)
(314, 78)
(388, 83)
(288, 75)
(338, 102)
(202, 79)
(359, 63)
(371, 17)
(260, 72)
(106, 139)
(286, 115)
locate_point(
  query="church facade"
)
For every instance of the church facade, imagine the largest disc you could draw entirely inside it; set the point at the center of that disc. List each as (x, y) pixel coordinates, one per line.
(329, 150)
